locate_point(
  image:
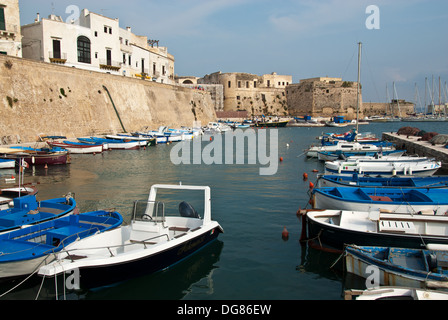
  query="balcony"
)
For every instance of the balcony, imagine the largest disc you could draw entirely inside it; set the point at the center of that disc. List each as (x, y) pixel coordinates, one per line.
(110, 65)
(57, 57)
(9, 31)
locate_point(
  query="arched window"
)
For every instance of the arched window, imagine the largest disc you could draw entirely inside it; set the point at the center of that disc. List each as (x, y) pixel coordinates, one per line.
(84, 50)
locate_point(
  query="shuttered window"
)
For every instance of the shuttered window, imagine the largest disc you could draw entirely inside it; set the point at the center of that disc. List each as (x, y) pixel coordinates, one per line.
(2, 19)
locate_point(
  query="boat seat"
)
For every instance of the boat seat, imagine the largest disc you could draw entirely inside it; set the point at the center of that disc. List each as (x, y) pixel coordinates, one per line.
(397, 226)
(381, 198)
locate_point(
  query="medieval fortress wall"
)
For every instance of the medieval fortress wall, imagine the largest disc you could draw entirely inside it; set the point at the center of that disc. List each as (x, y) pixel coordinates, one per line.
(38, 98)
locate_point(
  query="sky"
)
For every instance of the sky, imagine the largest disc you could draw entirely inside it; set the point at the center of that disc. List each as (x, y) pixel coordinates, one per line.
(404, 42)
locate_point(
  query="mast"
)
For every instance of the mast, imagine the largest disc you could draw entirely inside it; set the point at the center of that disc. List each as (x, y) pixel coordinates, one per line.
(359, 87)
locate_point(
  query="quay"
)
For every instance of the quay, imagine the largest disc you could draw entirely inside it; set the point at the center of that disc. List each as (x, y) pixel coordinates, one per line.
(412, 145)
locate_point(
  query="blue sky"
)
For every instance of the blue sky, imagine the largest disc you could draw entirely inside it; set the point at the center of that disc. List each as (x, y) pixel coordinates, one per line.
(302, 38)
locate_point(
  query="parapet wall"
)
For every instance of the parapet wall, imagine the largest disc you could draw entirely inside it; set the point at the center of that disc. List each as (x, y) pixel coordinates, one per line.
(38, 98)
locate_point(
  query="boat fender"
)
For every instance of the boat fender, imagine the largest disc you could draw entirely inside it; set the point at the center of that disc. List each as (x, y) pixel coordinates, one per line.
(186, 210)
(432, 261)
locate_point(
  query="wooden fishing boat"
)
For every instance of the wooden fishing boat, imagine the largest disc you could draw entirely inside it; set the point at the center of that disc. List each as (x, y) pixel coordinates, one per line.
(412, 166)
(160, 235)
(355, 180)
(23, 251)
(114, 144)
(26, 210)
(7, 195)
(419, 268)
(36, 156)
(78, 147)
(394, 200)
(272, 124)
(337, 228)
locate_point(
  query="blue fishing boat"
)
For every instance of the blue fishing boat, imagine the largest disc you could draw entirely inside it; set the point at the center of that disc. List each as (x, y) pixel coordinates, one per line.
(394, 200)
(113, 143)
(23, 251)
(382, 182)
(419, 268)
(28, 211)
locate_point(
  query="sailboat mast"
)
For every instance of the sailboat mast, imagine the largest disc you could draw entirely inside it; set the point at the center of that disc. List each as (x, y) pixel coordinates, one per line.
(359, 87)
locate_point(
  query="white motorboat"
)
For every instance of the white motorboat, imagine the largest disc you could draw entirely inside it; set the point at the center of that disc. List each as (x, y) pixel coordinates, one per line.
(160, 235)
(347, 147)
(388, 166)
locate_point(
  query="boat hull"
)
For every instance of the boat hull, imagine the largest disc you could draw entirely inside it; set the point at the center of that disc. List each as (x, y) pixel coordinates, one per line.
(359, 261)
(325, 201)
(338, 237)
(118, 269)
(281, 124)
(382, 182)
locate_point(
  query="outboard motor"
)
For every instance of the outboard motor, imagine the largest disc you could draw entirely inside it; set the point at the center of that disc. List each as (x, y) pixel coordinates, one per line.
(186, 210)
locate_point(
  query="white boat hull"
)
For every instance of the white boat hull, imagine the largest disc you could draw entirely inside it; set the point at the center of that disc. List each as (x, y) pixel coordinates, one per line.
(383, 168)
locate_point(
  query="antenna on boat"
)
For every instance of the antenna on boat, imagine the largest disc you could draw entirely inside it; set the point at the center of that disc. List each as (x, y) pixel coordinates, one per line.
(359, 88)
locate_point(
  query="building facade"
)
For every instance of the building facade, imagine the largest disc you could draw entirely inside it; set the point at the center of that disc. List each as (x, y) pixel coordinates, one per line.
(258, 95)
(97, 43)
(10, 33)
(324, 96)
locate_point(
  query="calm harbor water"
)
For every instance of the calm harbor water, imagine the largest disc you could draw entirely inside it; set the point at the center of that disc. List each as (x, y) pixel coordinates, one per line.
(250, 261)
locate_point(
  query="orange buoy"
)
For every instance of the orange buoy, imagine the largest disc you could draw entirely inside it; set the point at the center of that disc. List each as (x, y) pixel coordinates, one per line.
(311, 185)
(285, 234)
(315, 170)
(281, 159)
(211, 138)
(305, 176)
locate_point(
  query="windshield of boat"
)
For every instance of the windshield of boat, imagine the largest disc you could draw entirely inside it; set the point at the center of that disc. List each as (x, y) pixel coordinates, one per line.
(171, 203)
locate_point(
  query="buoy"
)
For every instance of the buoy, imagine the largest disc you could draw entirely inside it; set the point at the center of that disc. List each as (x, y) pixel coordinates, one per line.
(285, 234)
(287, 145)
(281, 159)
(305, 176)
(46, 167)
(315, 170)
(311, 186)
(211, 138)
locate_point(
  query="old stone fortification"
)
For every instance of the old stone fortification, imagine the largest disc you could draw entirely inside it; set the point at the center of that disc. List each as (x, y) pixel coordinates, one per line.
(323, 97)
(43, 99)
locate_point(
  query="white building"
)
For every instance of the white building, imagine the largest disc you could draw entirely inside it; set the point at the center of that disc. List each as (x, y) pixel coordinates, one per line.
(10, 37)
(95, 42)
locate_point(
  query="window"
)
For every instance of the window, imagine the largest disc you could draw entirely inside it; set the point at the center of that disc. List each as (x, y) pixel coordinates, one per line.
(2, 19)
(229, 84)
(124, 58)
(130, 59)
(96, 33)
(239, 84)
(56, 49)
(84, 50)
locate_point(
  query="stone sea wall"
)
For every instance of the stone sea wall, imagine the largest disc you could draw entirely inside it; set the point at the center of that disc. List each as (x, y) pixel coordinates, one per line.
(44, 99)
